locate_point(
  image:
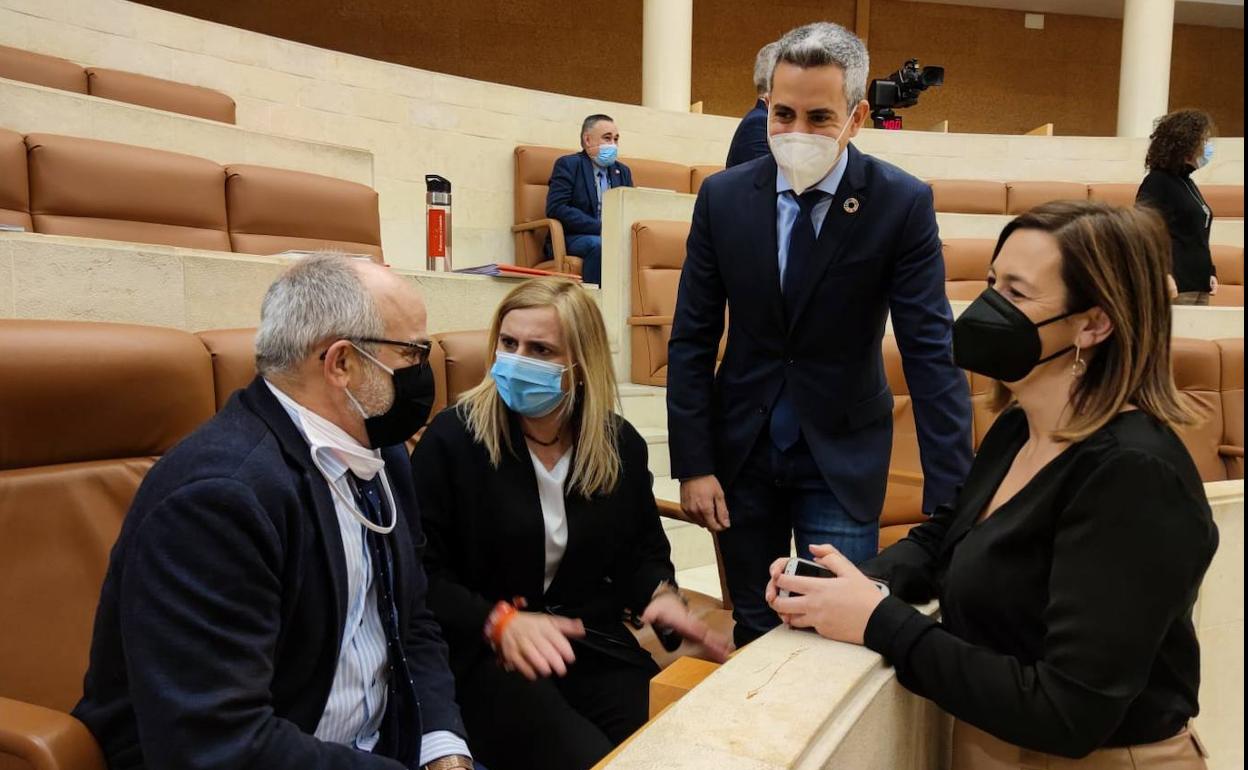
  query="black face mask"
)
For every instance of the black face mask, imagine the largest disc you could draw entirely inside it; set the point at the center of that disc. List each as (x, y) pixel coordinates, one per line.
(994, 338)
(413, 400)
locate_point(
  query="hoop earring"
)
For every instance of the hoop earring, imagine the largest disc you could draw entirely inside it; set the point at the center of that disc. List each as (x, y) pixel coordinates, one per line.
(1079, 367)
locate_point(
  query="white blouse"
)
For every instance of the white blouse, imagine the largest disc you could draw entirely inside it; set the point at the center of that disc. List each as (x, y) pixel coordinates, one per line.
(554, 514)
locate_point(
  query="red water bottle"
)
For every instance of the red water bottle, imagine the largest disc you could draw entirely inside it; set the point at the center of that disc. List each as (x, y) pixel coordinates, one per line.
(437, 223)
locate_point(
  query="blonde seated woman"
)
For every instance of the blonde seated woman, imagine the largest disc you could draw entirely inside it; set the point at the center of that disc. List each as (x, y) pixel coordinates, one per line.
(1068, 566)
(542, 533)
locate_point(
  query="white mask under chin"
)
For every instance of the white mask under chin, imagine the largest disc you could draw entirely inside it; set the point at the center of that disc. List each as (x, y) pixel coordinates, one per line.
(805, 159)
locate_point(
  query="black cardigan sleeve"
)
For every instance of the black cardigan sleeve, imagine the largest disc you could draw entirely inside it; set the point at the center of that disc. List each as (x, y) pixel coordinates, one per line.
(459, 609)
(647, 561)
(1129, 552)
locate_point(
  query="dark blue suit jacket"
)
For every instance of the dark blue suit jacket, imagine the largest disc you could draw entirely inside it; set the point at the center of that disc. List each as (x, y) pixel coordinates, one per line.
(883, 258)
(573, 194)
(750, 140)
(221, 615)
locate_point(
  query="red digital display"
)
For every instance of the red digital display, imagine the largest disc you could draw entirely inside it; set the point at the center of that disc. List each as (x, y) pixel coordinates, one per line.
(891, 124)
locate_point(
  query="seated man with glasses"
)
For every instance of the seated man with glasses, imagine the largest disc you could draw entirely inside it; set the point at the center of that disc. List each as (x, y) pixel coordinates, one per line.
(264, 605)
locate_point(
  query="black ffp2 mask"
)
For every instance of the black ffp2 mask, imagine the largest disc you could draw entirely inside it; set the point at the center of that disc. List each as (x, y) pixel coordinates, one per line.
(994, 338)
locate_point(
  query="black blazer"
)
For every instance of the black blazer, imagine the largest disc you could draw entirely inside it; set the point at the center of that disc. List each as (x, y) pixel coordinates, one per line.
(1177, 198)
(750, 139)
(878, 254)
(487, 541)
(221, 615)
(573, 194)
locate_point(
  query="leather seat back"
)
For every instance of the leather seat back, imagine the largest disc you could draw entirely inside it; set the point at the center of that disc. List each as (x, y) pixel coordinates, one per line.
(1232, 390)
(272, 210)
(1021, 197)
(42, 70)
(14, 183)
(1229, 262)
(1225, 200)
(464, 359)
(659, 174)
(1122, 195)
(968, 196)
(94, 189)
(1197, 366)
(87, 408)
(160, 94)
(533, 166)
(658, 254)
(698, 175)
(966, 266)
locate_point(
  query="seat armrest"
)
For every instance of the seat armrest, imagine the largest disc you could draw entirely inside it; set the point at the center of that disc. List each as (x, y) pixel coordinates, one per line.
(650, 320)
(1229, 450)
(673, 511)
(47, 739)
(905, 478)
(557, 247)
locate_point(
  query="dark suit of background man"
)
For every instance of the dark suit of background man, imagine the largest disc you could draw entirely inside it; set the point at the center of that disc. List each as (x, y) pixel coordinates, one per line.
(577, 186)
(812, 258)
(750, 140)
(264, 606)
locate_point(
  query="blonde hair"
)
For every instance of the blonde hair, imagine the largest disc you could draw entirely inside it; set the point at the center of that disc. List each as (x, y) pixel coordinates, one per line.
(593, 396)
(1115, 259)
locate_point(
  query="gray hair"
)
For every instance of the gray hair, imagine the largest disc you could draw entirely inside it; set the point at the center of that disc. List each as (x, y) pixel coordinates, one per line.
(318, 298)
(824, 43)
(764, 63)
(588, 123)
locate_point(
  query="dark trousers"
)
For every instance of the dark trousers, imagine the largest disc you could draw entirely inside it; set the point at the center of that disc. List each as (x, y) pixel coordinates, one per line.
(778, 496)
(567, 723)
(589, 249)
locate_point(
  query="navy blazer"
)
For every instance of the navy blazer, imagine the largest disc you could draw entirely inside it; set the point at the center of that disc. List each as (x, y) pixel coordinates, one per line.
(874, 258)
(222, 611)
(573, 194)
(750, 139)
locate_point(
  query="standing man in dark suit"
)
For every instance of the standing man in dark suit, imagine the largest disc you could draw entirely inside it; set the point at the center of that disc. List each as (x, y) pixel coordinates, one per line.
(264, 605)
(750, 140)
(812, 248)
(577, 186)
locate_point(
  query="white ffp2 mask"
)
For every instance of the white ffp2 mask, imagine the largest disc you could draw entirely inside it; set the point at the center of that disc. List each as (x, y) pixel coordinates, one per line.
(805, 159)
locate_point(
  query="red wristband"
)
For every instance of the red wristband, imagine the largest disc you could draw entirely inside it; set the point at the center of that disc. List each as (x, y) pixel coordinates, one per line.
(500, 617)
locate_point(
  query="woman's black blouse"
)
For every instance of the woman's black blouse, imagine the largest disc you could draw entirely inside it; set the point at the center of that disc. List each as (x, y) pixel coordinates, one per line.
(1066, 616)
(1188, 218)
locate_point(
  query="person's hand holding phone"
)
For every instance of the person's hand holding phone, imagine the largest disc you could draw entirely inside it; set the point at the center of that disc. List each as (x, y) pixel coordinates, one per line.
(836, 608)
(536, 644)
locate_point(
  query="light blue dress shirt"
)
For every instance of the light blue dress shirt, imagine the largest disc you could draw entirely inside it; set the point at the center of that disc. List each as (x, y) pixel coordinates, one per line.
(357, 697)
(787, 208)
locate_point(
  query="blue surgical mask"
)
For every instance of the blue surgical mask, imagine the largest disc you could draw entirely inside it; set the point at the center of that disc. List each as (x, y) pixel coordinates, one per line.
(1206, 156)
(528, 386)
(607, 153)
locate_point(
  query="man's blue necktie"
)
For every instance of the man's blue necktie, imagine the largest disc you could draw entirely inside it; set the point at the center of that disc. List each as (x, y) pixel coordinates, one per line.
(784, 427)
(369, 497)
(601, 177)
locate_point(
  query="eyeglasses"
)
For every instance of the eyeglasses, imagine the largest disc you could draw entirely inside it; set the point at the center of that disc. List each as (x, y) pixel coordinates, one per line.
(417, 353)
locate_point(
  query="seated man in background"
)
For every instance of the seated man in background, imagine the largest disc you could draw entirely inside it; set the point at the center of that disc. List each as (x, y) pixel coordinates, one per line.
(264, 605)
(577, 186)
(750, 139)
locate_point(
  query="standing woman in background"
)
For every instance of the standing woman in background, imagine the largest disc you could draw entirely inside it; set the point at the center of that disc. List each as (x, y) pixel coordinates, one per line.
(1181, 143)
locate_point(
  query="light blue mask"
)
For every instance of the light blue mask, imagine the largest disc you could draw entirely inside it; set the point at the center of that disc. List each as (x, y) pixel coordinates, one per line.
(1206, 156)
(528, 386)
(607, 154)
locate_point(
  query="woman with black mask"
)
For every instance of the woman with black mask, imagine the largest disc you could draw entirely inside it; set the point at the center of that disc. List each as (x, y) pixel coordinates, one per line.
(1181, 143)
(1068, 567)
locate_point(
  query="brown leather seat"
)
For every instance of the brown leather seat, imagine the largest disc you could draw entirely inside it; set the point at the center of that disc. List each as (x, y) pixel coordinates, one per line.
(698, 175)
(87, 408)
(233, 353)
(42, 70)
(1021, 197)
(1197, 366)
(1229, 261)
(659, 174)
(657, 255)
(968, 196)
(903, 499)
(1114, 194)
(160, 94)
(1226, 200)
(1232, 388)
(94, 189)
(273, 210)
(14, 184)
(966, 266)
